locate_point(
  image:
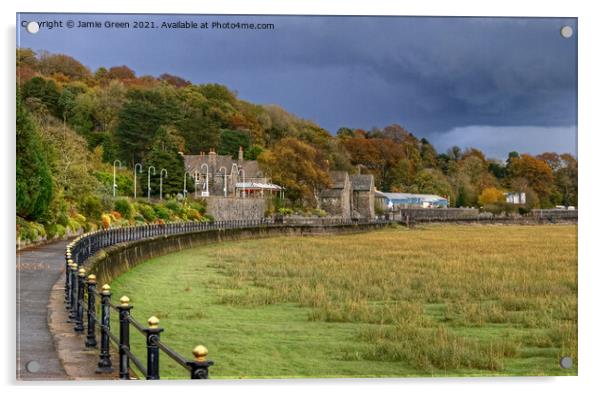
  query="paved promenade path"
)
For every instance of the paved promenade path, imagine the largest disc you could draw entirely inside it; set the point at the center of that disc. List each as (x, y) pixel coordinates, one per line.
(37, 271)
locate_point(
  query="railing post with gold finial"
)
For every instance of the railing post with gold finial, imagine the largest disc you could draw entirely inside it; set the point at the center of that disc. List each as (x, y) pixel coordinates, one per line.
(67, 262)
(79, 301)
(199, 368)
(124, 337)
(73, 294)
(91, 337)
(68, 285)
(105, 365)
(153, 333)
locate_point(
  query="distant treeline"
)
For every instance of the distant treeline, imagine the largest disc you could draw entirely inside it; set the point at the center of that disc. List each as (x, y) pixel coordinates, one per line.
(72, 123)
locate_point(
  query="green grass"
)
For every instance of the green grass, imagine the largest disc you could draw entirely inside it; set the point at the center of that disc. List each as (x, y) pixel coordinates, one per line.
(435, 301)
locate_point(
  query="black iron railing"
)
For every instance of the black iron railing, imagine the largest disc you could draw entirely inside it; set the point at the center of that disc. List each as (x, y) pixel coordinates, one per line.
(81, 294)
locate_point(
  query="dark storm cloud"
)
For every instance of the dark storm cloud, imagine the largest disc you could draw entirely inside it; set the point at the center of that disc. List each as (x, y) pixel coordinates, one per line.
(432, 75)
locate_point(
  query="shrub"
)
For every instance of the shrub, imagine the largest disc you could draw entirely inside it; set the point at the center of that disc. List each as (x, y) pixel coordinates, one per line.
(147, 212)
(51, 230)
(60, 231)
(319, 212)
(124, 207)
(91, 206)
(106, 221)
(285, 211)
(162, 212)
(125, 182)
(29, 231)
(495, 209)
(74, 225)
(62, 219)
(81, 219)
(193, 214)
(199, 206)
(175, 207)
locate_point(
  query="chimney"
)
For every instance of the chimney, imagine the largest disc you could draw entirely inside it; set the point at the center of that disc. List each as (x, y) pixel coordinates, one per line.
(212, 157)
(240, 154)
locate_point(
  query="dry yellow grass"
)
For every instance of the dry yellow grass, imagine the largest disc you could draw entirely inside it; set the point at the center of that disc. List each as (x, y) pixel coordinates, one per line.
(465, 276)
(432, 301)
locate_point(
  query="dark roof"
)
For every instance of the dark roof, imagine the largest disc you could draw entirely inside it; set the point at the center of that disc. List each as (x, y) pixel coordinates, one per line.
(338, 179)
(194, 162)
(362, 182)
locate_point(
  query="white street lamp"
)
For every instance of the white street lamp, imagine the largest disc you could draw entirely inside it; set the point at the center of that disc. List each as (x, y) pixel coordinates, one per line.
(225, 174)
(196, 177)
(135, 171)
(148, 183)
(205, 192)
(243, 181)
(115, 176)
(161, 182)
(234, 176)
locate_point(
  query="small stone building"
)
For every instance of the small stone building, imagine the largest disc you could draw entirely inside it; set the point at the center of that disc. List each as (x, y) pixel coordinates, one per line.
(349, 196)
(362, 201)
(336, 200)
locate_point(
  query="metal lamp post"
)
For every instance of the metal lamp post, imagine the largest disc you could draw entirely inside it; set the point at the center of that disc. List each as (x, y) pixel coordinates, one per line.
(205, 192)
(135, 171)
(233, 172)
(225, 174)
(161, 182)
(115, 176)
(243, 181)
(148, 184)
(196, 177)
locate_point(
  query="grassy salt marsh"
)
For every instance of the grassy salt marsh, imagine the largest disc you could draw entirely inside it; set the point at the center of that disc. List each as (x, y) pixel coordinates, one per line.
(432, 301)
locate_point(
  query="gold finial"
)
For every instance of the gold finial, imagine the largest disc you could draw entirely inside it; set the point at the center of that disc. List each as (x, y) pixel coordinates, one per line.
(92, 278)
(68, 253)
(73, 266)
(124, 301)
(106, 288)
(69, 261)
(200, 353)
(82, 272)
(153, 322)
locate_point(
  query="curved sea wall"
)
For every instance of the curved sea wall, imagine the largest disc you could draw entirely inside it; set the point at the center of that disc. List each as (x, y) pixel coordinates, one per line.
(108, 263)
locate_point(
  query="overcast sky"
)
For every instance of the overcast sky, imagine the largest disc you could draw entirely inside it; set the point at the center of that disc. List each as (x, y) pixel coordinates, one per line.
(498, 84)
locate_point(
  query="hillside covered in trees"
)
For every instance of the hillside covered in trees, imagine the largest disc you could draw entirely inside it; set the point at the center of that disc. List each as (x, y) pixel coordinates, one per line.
(73, 123)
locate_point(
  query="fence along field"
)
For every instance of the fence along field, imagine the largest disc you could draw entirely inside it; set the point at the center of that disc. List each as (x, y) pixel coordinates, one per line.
(438, 300)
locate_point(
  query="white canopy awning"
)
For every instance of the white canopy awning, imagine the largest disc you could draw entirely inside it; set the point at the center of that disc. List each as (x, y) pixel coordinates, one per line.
(257, 186)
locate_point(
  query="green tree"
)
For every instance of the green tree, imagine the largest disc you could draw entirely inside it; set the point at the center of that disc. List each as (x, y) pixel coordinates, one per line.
(142, 114)
(34, 188)
(231, 140)
(46, 91)
(428, 154)
(164, 154)
(431, 181)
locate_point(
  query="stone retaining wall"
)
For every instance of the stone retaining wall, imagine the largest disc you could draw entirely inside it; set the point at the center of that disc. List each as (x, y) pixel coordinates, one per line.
(234, 208)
